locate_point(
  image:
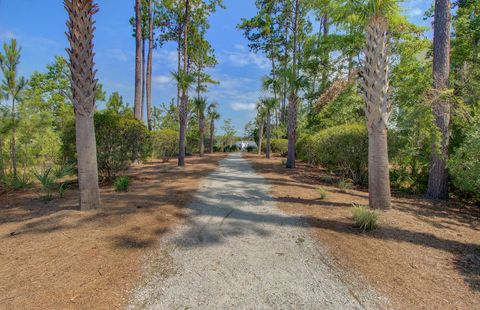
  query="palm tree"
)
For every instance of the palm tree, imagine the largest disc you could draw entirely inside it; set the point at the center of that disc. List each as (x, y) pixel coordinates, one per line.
(438, 176)
(269, 104)
(377, 109)
(84, 86)
(213, 116)
(138, 59)
(184, 81)
(13, 88)
(200, 104)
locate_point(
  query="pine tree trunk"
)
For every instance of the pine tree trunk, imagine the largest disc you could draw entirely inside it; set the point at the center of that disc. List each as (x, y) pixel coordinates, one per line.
(438, 176)
(184, 99)
(13, 147)
(144, 82)
(138, 60)
(212, 132)
(378, 169)
(201, 128)
(293, 99)
(268, 133)
(84, 87)
(260, 138)
(149, 66)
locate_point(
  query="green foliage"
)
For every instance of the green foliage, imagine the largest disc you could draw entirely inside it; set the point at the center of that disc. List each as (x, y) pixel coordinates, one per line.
(47, 181)
(165, 144)
(342, 149)
(364, 217)
(251, 149)
(122, 184)
(121, 140)
(464, 165)
(19, 182)
(344, 185)
(323, 193)
(279, 146)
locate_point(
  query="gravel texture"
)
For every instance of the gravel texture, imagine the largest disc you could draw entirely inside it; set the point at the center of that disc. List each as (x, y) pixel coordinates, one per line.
(237, 250)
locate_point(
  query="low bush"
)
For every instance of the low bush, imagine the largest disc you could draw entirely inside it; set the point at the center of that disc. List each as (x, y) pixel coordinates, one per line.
(464, 165)
(364, 218)
(344, 185)
(251, 149)
(47, 180)
(217, 148)
(122, 184)
(343, 149)
(323, 193)
(19, 182)
(279, 146)
(165, 144)
(121, 140)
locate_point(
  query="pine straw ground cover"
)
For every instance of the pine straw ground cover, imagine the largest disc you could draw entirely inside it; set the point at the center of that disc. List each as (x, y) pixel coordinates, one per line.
(424, 255)
(55, 257)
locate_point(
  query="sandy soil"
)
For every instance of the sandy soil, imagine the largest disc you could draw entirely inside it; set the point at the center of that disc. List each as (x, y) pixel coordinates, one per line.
(423, 256)
(239, 251)
(55, 257)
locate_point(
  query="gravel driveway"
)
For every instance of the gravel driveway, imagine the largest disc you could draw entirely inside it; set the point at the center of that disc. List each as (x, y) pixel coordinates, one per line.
(239, 251)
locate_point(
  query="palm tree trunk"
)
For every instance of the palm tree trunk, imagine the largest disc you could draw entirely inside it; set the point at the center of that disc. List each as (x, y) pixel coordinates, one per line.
(292, 100)
(84, 86)
(260, 138)
(13, 145)
(149, 66)
(201, 128)
(268, 133)
(184, 100)
(375, 87)
(138, 59)
(438, 176)
(378, 169)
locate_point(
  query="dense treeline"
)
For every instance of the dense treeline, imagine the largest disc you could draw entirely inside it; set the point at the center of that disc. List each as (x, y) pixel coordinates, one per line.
(344, 73)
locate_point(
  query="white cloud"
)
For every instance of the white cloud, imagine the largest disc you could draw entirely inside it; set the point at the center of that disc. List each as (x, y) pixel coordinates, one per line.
(238, 106)
(7, 35)
(162, 79)
(240, 57)
(119, 54)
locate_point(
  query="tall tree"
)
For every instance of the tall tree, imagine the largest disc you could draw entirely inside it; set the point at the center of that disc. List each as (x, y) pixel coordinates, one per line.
(84, 85)
(438, 176)
(269, 105)
(138, 59)
(184, 99)
(150, 64)
(12, 86)
(293, 97)
(213, 116)
(200, 106)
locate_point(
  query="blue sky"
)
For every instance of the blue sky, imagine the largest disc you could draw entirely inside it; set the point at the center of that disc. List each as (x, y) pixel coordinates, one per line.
(39, 27)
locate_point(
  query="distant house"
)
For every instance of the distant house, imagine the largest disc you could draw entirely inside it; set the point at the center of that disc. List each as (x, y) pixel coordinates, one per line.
(243, 145)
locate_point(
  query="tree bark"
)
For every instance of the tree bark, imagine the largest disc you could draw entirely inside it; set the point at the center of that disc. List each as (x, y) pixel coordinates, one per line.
(438, 176)
(84, 86)
(375, 88)
(87, 162)
(142, 110)
(260, 138)
(149, 66)
(184, 100)
(138, 59)
(378, 168)
(293, 99)
(201, 124)
(268, 133)
(212, 133)
(13, 145)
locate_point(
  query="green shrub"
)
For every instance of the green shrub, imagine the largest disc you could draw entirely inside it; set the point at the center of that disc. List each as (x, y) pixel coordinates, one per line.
(165, 144)
(323, 193)
(464, 164)
(343, 149)
(122, 183)
(21, 181)
(279, 146)
(251, 149)
(121, 140)
(364, 218)
(47, 180)
(216, 148)
(344, 185)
